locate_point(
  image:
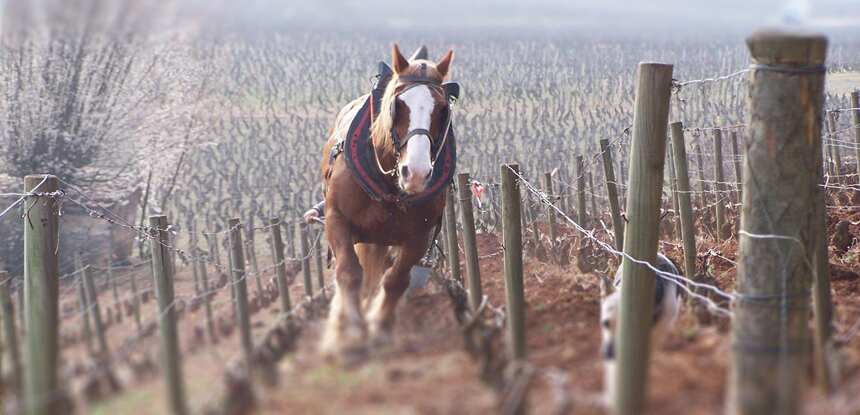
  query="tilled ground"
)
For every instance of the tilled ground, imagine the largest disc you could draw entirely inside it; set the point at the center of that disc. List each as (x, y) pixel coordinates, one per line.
(427, 371)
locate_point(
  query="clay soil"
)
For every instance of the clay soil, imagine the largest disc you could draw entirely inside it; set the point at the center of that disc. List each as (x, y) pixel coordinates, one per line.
(427, 371)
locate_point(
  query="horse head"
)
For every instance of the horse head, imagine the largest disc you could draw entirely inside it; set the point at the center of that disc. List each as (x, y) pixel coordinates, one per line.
(409, 135)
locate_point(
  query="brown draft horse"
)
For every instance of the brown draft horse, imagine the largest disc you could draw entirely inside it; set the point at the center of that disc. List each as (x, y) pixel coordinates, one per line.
(376, 243)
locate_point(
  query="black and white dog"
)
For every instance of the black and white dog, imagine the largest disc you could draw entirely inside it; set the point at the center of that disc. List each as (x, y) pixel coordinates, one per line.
(667, 302)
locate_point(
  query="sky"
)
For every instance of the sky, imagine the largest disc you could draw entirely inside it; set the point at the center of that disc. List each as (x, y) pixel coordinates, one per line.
(629, 18)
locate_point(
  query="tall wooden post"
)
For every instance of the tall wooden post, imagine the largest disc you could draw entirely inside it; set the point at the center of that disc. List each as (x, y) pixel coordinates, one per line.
(855, 121)
(207, 300)
(470, 247)
(92, 305)
(703, 185)
(685, 204)
(770, 326)
(673, 186)
(163, 271)
(318, 259)
(135, 302)
(835, 156)
(302, 231)
(451, 234)
(243, 316)
(580, 193)
(550, 213)
(10, 334)
(612, 192)
(513, 243)
(86, 320)
(280, 266)
(647, 158)
(736, 161)
(719, 186)
(593, 192)
(41, 284)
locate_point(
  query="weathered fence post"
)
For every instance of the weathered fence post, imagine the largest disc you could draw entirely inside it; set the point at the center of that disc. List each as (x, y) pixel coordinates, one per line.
(513, 245)
(470, 247)
(703, 185)
(318, 254)
(451, 233)
(855, 120)
(86, 324)
(163, 271)
(252, 256)
(737, 162)
(612, 192)
(10, 334)
(280, 266)
(593, 193)
(243, 317)
(719, 186)
(305, 258)
(770, 324)
(112, 278)
(41, 240)
(207, 300)
(823, 349)
(582, 215)
(550, 213)
(647, 159)
(835, 156)
(673, 186)
(92, 306)
(685, 204)
(135, 302)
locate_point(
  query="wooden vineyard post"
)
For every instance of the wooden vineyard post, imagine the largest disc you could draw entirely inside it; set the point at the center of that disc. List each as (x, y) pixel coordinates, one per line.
(823, 348)
(193, 250)
(673, 186)
(301, 229)
(737, 162)
(592, 191)
(135, 302)
(647, 159)
(550, 213)
(243, 316)
(452, 242)
(470, 247)
(41, 285)
(719, 187)
(10, 334)
(86, 320)
(777, 240)
(582, 217)
(612, 192)
(703, 185)
(685, 204)
(92, 306)
(280, 266)
(513, 245)
(835, 156)
(112, 279)
(207, 300)
(855, 121)
(252, 256)
(163, 271)
(318, 258)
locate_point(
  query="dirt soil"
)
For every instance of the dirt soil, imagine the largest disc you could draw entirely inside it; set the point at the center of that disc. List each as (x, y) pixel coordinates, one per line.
(427, 371)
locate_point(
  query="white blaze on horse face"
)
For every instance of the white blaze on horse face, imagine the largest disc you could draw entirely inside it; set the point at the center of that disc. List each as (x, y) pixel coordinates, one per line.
(416, 158)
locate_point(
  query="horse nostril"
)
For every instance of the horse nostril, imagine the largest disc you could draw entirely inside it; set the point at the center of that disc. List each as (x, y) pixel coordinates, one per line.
(404, 171)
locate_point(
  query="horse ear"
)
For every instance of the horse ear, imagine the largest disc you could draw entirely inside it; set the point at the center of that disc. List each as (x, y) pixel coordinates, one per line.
(445, 63)
(400, 63)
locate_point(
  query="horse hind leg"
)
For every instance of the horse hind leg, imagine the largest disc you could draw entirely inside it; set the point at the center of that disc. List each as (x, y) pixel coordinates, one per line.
(375, 260)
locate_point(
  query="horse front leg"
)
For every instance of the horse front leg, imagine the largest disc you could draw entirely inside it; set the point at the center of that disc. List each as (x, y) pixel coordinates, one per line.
(395, 281)
(345, 333)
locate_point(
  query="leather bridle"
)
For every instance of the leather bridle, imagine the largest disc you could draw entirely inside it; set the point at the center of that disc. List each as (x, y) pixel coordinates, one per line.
(449, 90)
